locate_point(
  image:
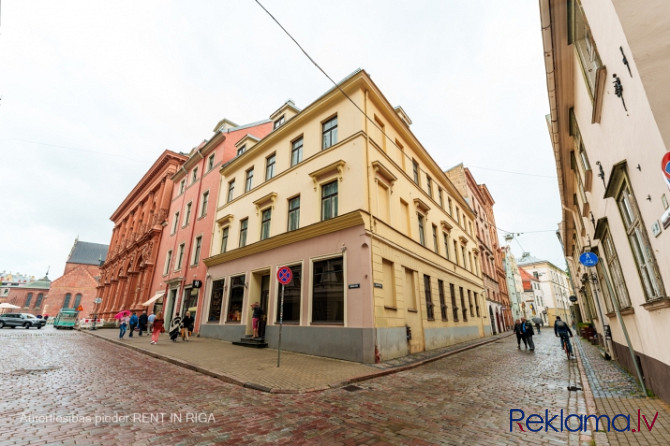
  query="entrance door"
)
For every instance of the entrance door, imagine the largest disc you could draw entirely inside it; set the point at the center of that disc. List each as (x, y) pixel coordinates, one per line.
(190, 301)
(172, 298)
(263, 300)
(493, 322)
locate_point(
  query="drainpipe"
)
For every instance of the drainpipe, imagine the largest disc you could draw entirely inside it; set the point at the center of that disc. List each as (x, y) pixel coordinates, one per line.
(377, 355)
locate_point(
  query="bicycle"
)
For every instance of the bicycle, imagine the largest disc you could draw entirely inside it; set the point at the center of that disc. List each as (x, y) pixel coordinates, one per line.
(566, 348)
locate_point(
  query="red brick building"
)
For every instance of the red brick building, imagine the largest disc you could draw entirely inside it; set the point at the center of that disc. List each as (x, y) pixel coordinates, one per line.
(139, 221)
(31, 298)
(81, 277)
(188, 236)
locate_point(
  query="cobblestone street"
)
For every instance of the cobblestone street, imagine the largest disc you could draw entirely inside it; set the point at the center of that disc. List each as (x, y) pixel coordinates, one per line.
(104, 394)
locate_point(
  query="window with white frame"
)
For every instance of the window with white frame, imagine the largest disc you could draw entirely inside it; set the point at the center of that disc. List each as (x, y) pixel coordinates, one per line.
(294, 213)
(231, 190)
(168, 260)
(180, 257)
(210, 162)
(270, 166)
(187, 213)
(244, 224)
(296, 151)
(329, 133)
(329, 200)
(203, 203)
(250, 180)
(196, 250)
(266, 218)
(224, 239)
(194, 175)
(175, 222)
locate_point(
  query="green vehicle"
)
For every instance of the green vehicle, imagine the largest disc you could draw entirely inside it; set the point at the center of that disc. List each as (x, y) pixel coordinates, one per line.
(67, 318)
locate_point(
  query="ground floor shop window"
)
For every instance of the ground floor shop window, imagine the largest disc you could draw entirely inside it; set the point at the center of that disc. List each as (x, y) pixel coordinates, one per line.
(236, 298)
(328, 291)
(291, 296)
(216, 301)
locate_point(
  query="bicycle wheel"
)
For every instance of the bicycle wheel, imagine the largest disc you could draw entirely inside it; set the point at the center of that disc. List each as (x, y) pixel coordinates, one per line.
(565, 347)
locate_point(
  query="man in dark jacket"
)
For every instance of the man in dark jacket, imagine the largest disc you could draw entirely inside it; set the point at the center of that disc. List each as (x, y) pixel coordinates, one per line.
(144, 319)
(527, 329)
(562, 330)
(519, 335)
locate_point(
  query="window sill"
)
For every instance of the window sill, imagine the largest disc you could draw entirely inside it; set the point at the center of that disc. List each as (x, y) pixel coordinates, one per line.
(412, 311)
(657, 304)
(624, 312)
(390, 308)
(341, 324)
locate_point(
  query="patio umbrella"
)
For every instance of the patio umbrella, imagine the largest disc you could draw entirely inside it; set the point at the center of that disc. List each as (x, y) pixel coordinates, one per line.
(120, 314)
(8, 305)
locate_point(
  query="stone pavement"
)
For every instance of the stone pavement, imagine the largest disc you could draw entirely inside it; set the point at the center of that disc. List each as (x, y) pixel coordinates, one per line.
(257, 368)
(611, 390)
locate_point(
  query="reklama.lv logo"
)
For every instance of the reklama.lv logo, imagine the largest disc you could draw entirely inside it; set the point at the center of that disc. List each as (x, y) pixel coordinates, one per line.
(576, 422)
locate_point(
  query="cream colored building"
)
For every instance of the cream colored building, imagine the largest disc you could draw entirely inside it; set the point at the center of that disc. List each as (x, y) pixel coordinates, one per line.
(607, 77)
(554, 287)
(381, 245)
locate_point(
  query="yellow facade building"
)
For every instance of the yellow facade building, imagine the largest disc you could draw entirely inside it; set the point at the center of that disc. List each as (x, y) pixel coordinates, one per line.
(381, 244)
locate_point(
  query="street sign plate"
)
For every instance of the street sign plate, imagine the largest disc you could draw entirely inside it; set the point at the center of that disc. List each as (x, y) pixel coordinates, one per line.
(284, 275)
(588, 259)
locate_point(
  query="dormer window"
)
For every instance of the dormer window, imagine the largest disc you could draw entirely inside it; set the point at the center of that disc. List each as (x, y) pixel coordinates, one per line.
(279, 122)
(241, 150)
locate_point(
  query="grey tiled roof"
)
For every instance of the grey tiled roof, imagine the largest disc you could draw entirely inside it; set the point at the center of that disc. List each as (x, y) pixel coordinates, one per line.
(87, 253)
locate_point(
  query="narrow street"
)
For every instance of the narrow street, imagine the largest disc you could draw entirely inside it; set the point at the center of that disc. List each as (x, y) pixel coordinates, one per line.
(72, 388)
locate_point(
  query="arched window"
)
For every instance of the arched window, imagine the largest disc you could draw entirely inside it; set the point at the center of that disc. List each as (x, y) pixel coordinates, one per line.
(66, 303)
(77, 300)
(38, 302)
(28, 299)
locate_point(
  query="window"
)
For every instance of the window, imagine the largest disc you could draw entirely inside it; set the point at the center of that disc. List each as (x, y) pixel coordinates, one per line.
(224, 239)
(168, 260)
(236, 298)
(463, 307)
(476, 296)
(210, 162)
(38, 302)
(422, 235)
(241, 150)
(446, 245)
(328, 291)
(296, 151)
(66, 302)
(410, 290)
(435, 244)
(443, 303)
(429, 186)
(216, 301)
(270, 166)
(292, 299)
(429, 299)
(329, 133)
(415, 171)
(294, 213)
(586, 48)
(196, 250)
(28, 299)
(250, 180)
(182, 185)
(77, 301)
(175, 223)
(187, 214)
(204, 202)
(439, 197)
(266, 216)
(463, 256)
(449, 205)
(231, 190)
(180, 257)
(388, 277)
(454, 308)
(278, 123)
(194, 175)
(472, 313)
(456, 252)
(329, 200)
(243, 232)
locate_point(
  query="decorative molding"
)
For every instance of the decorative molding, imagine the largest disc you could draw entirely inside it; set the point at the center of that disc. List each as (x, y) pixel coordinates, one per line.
(446, 226)
(225, 220)
(265, 200)
(421, 206)
(333, 169)
(385, 174)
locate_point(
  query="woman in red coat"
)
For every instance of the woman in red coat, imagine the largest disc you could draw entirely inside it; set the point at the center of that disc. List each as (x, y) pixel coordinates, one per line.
(157, 329)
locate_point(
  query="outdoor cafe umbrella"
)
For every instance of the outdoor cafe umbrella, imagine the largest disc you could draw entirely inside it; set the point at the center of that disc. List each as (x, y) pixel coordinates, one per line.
(8, 305)
(120, 314)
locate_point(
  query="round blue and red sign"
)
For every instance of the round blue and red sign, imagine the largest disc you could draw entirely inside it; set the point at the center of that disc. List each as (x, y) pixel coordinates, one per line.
(284, 275)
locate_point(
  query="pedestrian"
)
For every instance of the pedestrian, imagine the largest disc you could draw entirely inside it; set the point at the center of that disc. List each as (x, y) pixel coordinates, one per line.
(527, 329)
(562, 330)
(519, 334)
(143, 322)
(132, 322)
(157, 328)
(175, 327)
(257, 312)
(187, 323)
(124, 325)
(151, 319)
(537, 321)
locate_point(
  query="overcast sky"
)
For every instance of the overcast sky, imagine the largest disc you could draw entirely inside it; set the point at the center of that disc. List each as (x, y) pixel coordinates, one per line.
(94, 91)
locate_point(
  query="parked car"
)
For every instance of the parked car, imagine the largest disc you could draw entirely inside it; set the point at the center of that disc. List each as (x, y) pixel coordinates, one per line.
(25, 320)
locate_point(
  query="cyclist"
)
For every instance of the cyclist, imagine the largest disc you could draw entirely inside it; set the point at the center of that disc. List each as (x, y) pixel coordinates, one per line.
(562, 330)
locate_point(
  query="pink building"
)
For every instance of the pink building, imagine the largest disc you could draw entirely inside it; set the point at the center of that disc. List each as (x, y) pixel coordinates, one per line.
(180, 274)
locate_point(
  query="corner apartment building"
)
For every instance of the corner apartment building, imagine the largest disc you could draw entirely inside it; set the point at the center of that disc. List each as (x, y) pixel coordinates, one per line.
(554, 286)
(187, 238)
(381, 244)
(606, 63)
(481, 202)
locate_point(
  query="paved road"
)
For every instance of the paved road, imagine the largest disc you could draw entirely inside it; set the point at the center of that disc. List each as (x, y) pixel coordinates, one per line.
(71, 388)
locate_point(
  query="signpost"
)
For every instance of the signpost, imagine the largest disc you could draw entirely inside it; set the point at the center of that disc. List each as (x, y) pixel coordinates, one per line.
(588, 259)
(665, 166)
(97, 302)
(284, 276)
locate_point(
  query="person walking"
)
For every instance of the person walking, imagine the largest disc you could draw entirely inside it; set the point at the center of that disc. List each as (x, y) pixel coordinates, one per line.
(519, 334)
(132, 322)
(175, 326)
(562, 330)
(256, 317)
(527, 329)
(143, 319)
(124, 325)
(187, 323)
(151, 319)
(157, 328)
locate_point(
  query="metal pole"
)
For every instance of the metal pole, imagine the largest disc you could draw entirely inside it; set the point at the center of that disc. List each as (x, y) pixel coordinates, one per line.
(281, 323)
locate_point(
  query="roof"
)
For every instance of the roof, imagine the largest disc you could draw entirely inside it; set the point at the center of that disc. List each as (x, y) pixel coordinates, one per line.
(87, 253)
(43, 283)
(528, 259)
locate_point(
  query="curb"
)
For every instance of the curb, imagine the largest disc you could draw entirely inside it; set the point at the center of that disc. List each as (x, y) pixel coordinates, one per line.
(262, 388)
